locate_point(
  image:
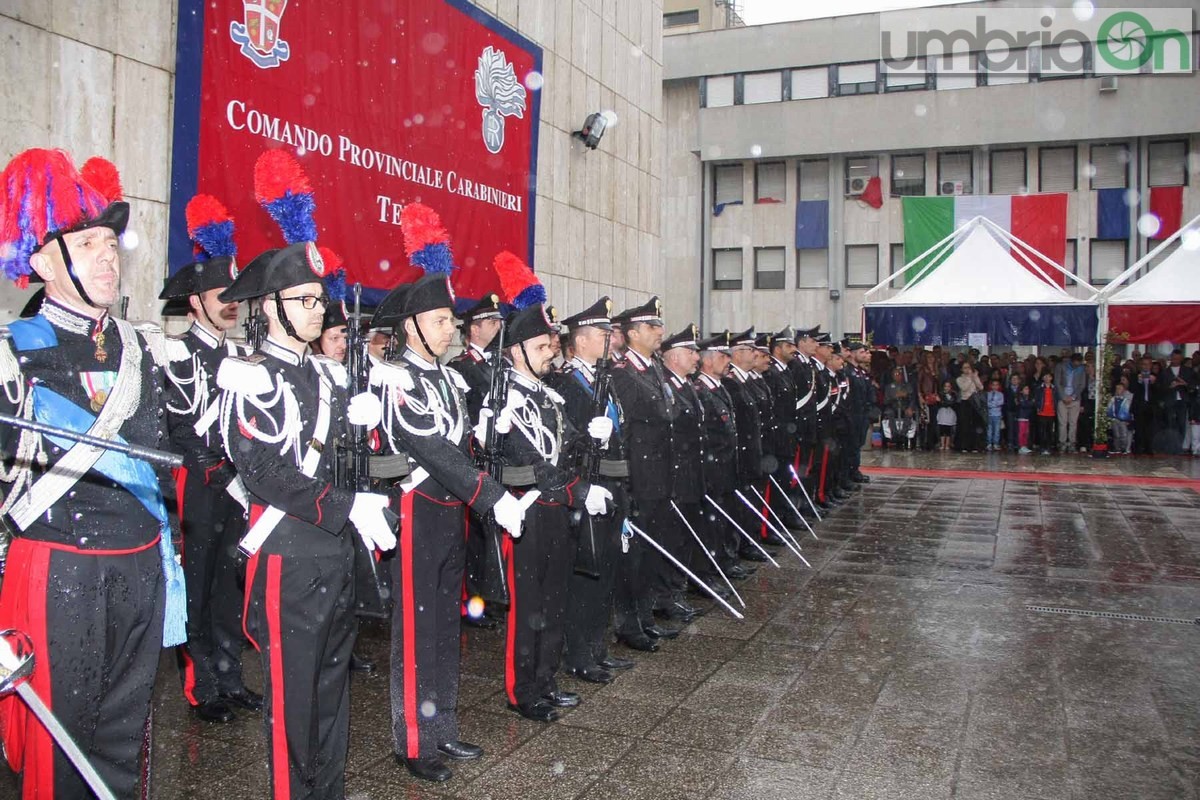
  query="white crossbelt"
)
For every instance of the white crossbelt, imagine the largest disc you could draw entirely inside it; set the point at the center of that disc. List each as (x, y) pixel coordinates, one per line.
(266, 524)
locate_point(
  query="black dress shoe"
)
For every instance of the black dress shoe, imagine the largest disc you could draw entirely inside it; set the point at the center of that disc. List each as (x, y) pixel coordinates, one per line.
(774, 540)
(360, 664)
(858, 477)
(214, 711)
(483, 623)
(643, 643)
(244, 698)
(427, 769)
(460, 751)
(659, 632)
(541, 711)
(594, 674)
(561, 699)
(612, 662)
(752, 555)
(676, 612)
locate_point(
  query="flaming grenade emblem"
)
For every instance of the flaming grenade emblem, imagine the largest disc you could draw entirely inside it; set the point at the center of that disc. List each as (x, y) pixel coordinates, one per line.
(259, 33)
(500, 93)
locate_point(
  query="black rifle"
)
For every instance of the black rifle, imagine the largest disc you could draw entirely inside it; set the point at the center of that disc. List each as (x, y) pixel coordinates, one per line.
(372, 581)
(587, 554)
(493, 584)
(255, 327)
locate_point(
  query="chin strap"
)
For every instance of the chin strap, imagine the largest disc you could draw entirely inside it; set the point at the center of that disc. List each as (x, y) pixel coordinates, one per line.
(66, 255)
(283, 318)
(421, 336)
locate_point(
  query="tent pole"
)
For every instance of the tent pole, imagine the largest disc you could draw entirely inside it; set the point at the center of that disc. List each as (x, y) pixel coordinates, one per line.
(1101, 340)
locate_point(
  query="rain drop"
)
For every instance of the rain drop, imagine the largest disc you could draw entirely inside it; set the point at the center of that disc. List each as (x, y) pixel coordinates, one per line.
(130, 240)
(384, 265)
(475, 607)
(433, 42)
(920, 109)
(558, 768)
(755, 150)
(1083, 10)
(1148, 224)
(1190, 240)
(534, 81)
(428, 709)
(919, 324)
(418, 119)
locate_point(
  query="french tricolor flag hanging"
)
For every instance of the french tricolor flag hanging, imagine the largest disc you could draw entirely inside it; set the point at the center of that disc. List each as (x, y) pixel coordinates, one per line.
(1166, 203)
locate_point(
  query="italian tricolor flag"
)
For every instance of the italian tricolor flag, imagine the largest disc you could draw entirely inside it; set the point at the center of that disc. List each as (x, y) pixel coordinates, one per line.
(1038, 220)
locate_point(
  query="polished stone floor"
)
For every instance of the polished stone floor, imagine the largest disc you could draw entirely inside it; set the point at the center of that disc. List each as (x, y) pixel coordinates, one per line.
(906, 664)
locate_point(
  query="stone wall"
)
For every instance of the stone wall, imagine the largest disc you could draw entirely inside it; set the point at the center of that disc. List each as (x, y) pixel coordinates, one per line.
(96, 78)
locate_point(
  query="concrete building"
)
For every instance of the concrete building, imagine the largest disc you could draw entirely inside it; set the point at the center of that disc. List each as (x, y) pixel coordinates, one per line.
(97, 78)
(760, 118)
(690, 16)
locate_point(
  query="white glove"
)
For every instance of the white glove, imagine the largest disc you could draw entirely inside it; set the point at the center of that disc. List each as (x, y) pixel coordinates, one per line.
(509, 513)
(600, 429)
(503, 424)
(597, 500)
(236, 489)
(365, 410)
(367, 517)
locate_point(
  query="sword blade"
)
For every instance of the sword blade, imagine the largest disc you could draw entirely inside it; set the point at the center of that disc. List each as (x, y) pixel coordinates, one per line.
(65, 742)
(663, 551)
(783, 531)
(800, 483)
(769, 524)
(742, 531)
(711, 558)
(795, 510)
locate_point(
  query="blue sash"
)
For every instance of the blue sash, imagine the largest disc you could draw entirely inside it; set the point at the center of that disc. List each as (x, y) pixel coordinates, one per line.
(611, 411)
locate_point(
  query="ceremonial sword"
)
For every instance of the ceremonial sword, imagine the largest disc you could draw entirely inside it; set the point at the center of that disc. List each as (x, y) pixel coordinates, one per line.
(663, 551)
(783, 529)
(711, 558)
(742, 531)
(769, 524)
(795, 510)
(160, 457)
(800, 483)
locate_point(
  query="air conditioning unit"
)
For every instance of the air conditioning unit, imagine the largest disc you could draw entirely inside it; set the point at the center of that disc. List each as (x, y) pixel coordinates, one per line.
(1108, 83)
(952, 187)
(858, 186)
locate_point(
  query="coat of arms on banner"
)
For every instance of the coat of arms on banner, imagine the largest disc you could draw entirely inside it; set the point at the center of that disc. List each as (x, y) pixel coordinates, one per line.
(500, 93)
(258, 34)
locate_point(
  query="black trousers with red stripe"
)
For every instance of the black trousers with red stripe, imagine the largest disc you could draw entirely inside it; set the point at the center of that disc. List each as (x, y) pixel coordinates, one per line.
(211, 661)
(427, 577)
(97, 626)
(300, 616)
(539, 567)
(590, 598)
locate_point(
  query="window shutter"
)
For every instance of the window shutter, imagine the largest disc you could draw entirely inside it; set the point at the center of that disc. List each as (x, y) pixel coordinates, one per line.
(718, 91)
(728, 183)
(1110, 164)
(810, 83)
(955, 167)
(727, 265)
(856, 73)
(769, 268)
(1057, 169)
(814, 180)
(862, 264)
(1108, 260)
(1008, 172)
(1168, 163)
(762, 87)
(957, 72)
(812, 269)
(771, 178)
(908, 73)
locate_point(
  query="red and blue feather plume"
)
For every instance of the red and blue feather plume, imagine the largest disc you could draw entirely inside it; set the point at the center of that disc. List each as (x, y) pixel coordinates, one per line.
(282, 188)
(519, 286)
(210, 227)
(425, 240)
(335, 276)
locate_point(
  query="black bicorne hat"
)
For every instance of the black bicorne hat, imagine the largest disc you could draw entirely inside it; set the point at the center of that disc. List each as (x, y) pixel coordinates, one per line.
(528, 323)
(430, 292)
(335, 316)
(275, 270)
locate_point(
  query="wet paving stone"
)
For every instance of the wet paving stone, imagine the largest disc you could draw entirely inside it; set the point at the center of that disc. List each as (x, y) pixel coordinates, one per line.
(905, 665)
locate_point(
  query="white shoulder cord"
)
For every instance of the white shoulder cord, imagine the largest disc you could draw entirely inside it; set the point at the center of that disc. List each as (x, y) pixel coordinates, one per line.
(289, 432)
(198, 403)
(527, 418)
(29, 443)
(442, 421)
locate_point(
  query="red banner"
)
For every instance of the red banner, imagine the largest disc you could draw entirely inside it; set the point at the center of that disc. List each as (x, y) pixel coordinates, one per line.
(384, 104)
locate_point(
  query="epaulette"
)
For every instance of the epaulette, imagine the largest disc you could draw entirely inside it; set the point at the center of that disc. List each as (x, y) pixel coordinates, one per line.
(459, 381)
(10, 368)
(391, 375)
(177, 349)
(335, 369)
(245, 375)
(553, 395)
(156, 341)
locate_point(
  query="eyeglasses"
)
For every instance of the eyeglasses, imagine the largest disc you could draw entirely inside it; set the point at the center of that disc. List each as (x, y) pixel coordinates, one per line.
(310, 301)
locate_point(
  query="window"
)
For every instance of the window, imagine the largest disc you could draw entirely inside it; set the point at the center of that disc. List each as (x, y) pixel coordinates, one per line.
(812, 269)
(810, 83)
(1168, 163)
(1070, 258)
(814, 180)
(727, 269)
(769, 268)
(1066, 60)
(905, 76)
(718, 92)
(857, 78)
(770, 182)
(1108, 259)
(898, 263)
(859, 170)
(956, 71)
(956, 172)
(908, 175)
(862, 265)
(1007, 168)
(1056, 169)
(727, 184)
(675, 19)
(762, 87)
(1003, 67)
(1109, 166)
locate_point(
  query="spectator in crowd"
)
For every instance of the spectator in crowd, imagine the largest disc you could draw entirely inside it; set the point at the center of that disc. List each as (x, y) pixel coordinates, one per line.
(1047, 412)
(1012, 400)
(1087, 408)
(946, 417)
(1120, 414)
(970, 418)
(927, 396)
(1026, 408)
(1071, 379)
(995, 414)
(900, 410)
(1178, 388)
(1145, 393)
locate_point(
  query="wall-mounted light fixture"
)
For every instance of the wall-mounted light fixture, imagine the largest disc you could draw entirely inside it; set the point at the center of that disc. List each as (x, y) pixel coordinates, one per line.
(593, 130)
